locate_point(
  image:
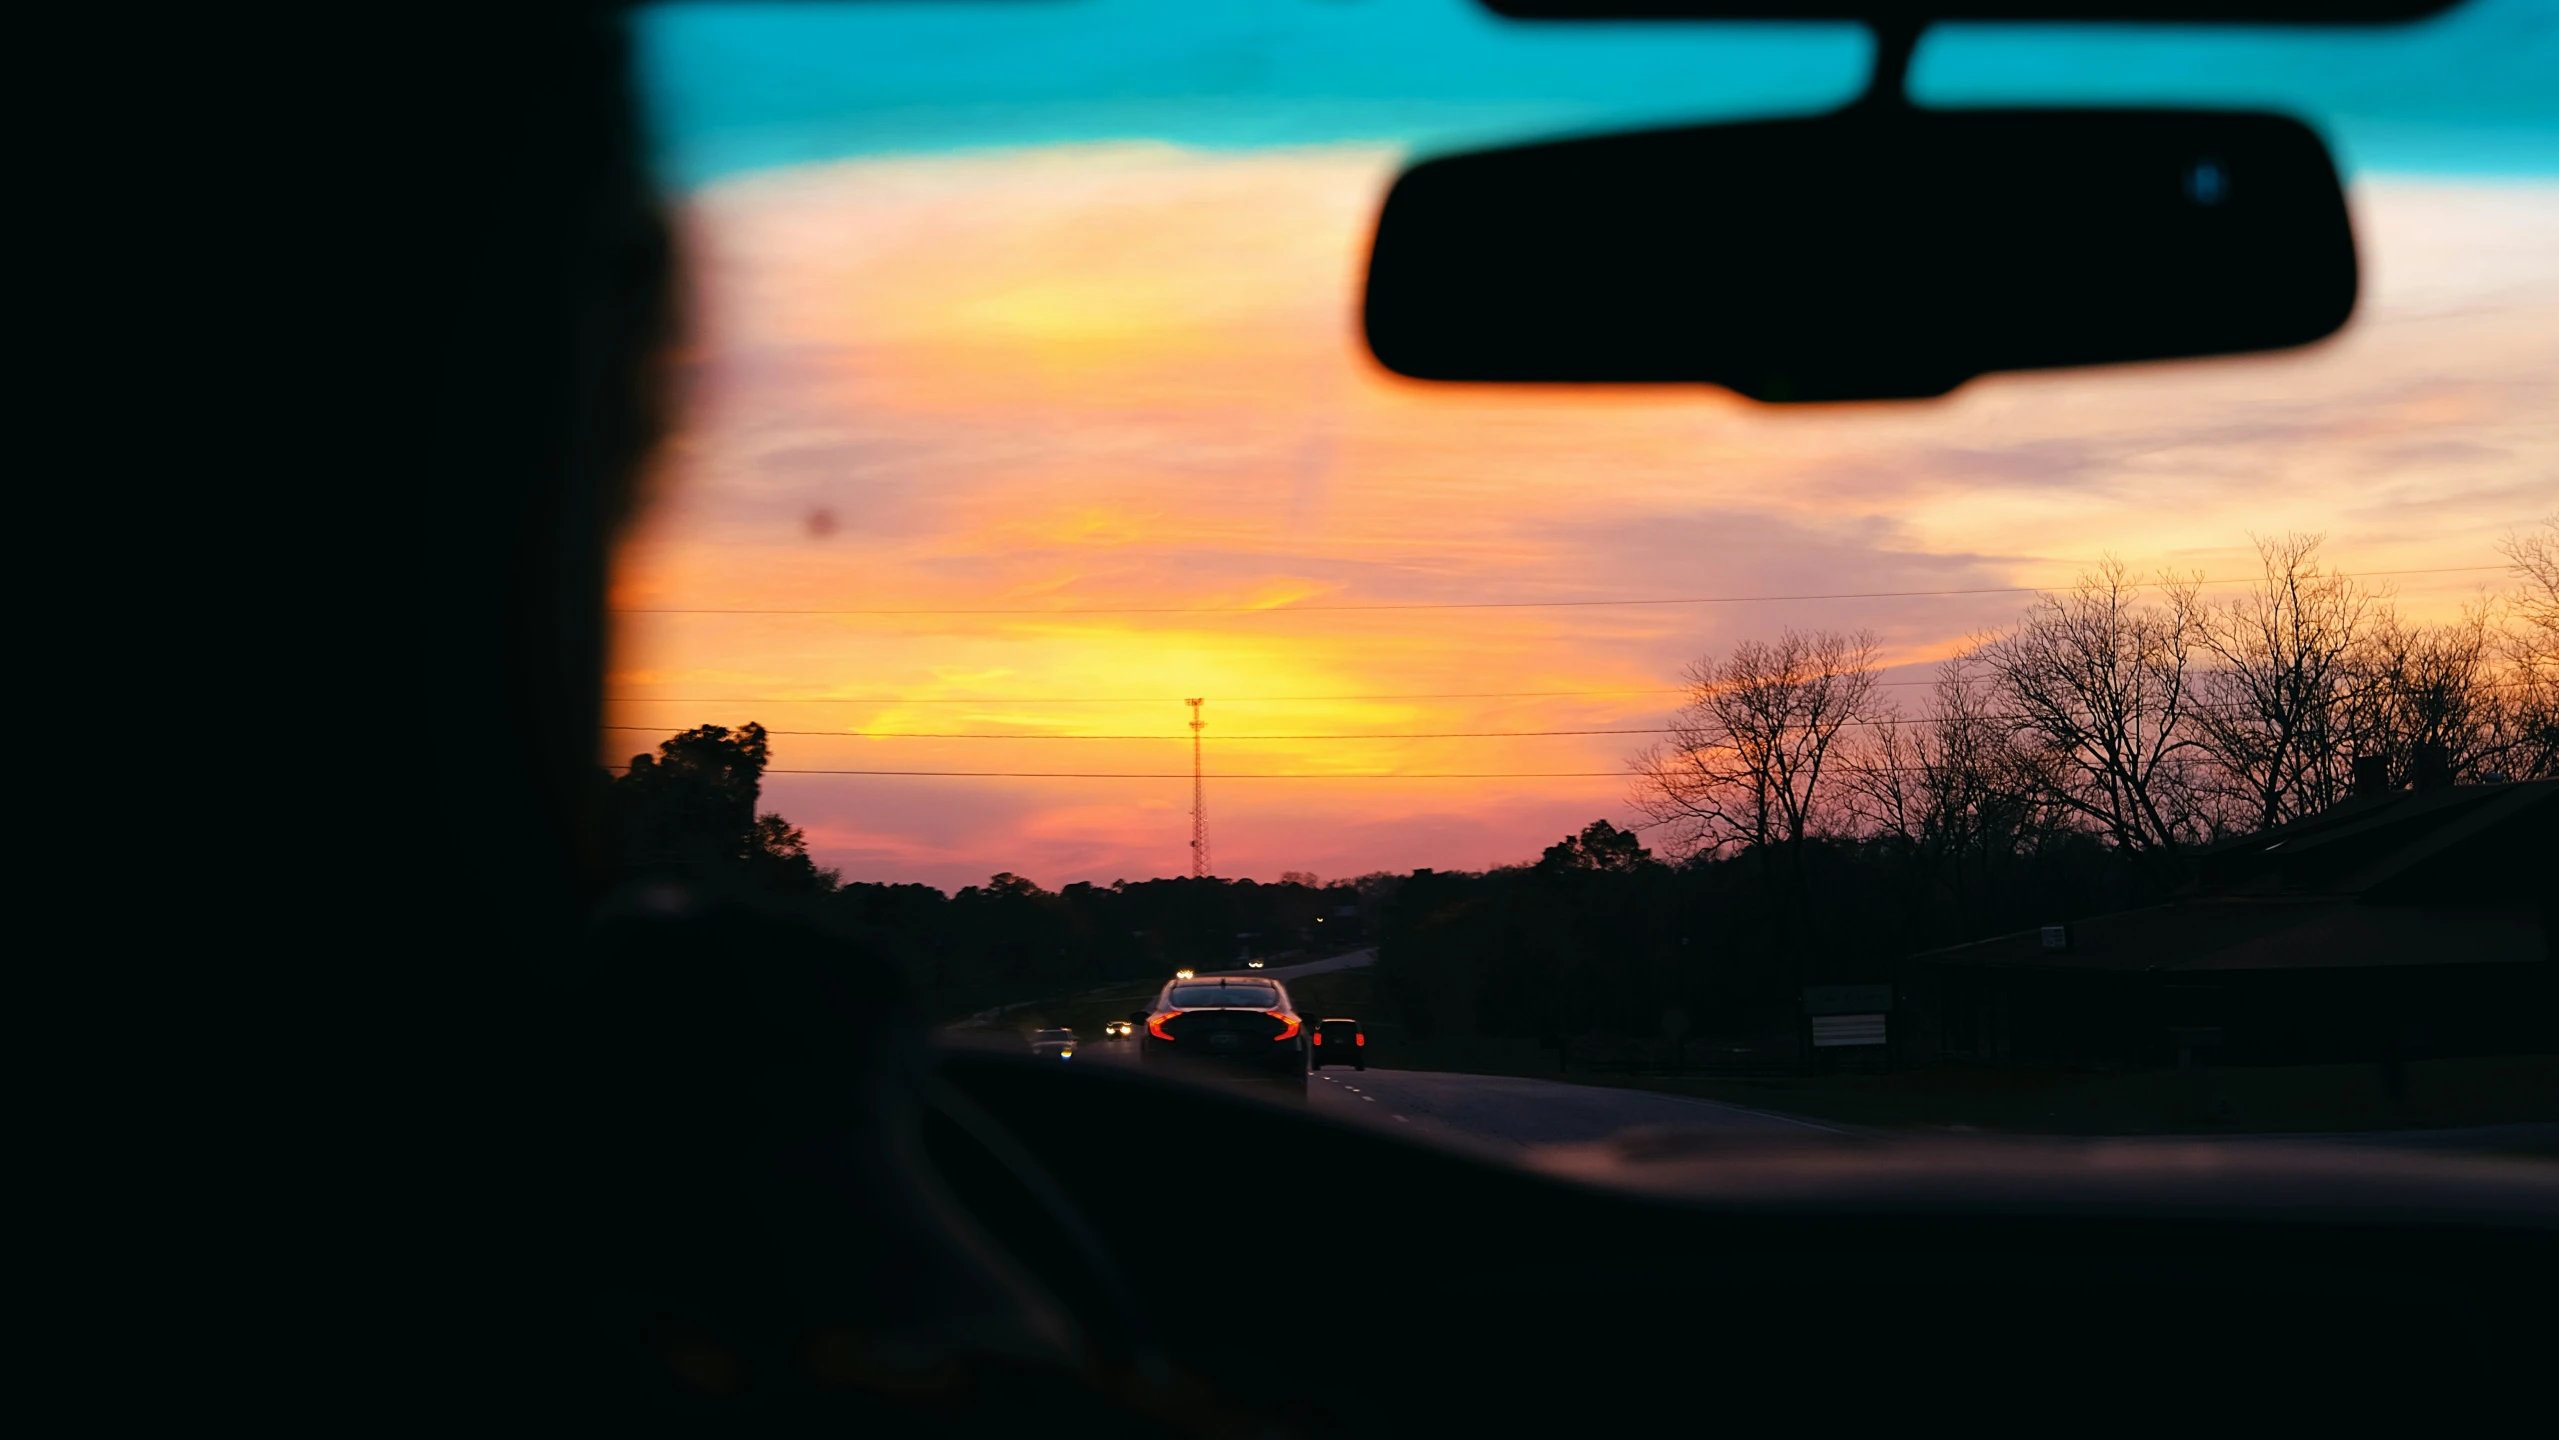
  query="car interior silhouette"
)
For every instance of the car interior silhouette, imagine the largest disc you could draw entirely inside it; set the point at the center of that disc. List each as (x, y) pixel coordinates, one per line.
(710, 1164)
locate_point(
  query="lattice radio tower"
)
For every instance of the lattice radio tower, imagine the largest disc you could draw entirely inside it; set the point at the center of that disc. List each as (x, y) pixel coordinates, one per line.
(1199, 798)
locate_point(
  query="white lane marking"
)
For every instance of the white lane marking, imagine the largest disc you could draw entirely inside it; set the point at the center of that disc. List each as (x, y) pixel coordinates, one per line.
(1399, 1117)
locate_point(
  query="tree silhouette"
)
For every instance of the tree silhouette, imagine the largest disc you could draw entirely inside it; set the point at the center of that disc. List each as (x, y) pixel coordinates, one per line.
(2103, 685)
(1744, 766)
(2532, 649)
(776, 858)
(1957, 788)
(1600, 846)
(2278, 721)
(690, 810)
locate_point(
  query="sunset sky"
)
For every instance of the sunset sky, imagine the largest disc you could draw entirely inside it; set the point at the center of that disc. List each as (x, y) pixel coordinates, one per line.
(1071, 345)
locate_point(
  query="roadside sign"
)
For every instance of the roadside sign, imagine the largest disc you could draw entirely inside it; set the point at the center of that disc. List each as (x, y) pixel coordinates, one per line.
(1830, 1031)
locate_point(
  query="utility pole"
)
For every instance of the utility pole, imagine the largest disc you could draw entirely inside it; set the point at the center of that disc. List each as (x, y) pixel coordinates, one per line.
(1199, 798)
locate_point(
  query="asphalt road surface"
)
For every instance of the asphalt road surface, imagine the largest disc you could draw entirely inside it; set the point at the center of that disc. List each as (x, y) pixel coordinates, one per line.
(1509, 1114)
(1513, 1113)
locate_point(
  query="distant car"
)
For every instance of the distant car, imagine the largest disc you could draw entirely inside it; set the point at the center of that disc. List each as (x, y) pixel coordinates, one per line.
(1240, 1027)
(1181, 974)
(1118, 1030)
(1053, 1044)
(1339, 1041)
(1252, 964)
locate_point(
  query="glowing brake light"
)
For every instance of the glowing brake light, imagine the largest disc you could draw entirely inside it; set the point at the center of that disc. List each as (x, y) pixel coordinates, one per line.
(1361, 1038)
(1288, 1022)
(1315, 1037)
(1155, 1023)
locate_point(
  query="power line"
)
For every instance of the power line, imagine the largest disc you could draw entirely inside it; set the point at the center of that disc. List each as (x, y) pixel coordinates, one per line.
(1136, 699)
(1231, 775)
(2234, 708)
(1213, 775)
(1162, 700)
(897, 700)
(1464, 604)
(997, 735)
(1257, 775)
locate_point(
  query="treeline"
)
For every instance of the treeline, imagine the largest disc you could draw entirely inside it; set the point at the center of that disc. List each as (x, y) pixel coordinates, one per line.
(2148, 716)
(1600, 936)
(2070, 764)
(688, 816)
(1813, 825)
(1009, 940)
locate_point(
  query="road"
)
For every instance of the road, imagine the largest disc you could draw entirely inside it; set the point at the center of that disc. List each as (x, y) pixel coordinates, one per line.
(1512, 1113)
(1509, 1114)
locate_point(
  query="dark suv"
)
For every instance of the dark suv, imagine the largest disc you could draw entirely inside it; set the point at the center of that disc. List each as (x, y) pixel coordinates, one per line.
(1233, 1027)
(1339, 1041)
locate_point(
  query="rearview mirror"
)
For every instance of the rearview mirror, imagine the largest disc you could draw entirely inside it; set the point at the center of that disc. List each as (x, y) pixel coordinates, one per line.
(1875, 253)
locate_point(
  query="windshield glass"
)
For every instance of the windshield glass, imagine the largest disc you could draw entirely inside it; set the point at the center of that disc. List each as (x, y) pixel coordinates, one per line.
(1230, 997)
(1043, 556)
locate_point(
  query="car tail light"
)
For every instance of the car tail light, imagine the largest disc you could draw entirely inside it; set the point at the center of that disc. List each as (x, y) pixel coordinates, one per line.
(1288, 1024)
(1315, 1037)
(1155, 1023)
(1360, 1039)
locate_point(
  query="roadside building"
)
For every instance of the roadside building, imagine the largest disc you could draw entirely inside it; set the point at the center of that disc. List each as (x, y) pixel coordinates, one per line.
(2398, 925)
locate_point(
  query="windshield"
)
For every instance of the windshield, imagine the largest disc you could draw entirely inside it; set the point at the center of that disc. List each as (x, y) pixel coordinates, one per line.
(1045, 560)
(1230, 997)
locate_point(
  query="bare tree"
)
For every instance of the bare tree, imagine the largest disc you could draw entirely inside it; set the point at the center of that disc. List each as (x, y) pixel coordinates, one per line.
(1953, 785)
(2422, 686)
(2534, 556)
(1745, 765)
(2103, 684)
(2275, 699)
(2532, 653)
